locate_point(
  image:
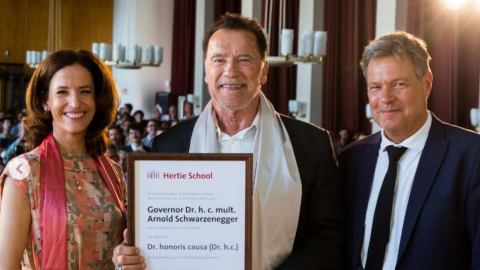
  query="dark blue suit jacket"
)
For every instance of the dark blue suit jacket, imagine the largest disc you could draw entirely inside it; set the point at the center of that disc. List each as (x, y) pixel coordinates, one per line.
(320, 238)
(442, 223)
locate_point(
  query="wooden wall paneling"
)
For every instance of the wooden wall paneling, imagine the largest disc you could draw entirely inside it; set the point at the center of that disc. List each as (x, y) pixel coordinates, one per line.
(24, 26)
(37, 25)
(12, 30)
(92, 21)
(36, 31)
(66, 22)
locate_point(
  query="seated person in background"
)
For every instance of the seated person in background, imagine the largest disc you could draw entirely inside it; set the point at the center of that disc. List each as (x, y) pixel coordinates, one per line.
(115, 134)
(112, 154)
(152, 128)
(122, 162)
(173, 123)
(7, 124)
(17, 147)
(172, 113)
(5, 137)
(157, 113)
(16, 128)
(188, 111)
(127, 108)
(125, 128)
(359, 136)
(160, 130)
(135, 131)
(138, 117)
(164, 125)
(344, 137)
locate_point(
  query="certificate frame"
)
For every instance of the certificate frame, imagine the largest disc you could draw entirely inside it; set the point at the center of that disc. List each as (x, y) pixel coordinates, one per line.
(134, 159)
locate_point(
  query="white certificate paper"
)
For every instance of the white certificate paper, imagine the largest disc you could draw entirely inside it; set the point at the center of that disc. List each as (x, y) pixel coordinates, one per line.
(191, 214)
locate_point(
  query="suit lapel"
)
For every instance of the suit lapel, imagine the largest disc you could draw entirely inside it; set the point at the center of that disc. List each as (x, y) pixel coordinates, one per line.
(366, 170)
(432, 156)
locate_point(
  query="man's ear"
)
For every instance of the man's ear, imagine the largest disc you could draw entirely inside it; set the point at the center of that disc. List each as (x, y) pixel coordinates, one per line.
(264, 72)
(427, 82)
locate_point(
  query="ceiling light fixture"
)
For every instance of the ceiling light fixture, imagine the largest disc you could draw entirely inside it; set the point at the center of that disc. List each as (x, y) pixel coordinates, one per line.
(312, 47)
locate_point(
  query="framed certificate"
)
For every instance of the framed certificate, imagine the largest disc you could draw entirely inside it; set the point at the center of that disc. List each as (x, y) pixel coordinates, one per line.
(191, 211)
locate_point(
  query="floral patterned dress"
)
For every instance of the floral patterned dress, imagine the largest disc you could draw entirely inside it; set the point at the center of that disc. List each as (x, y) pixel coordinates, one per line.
(94, 220)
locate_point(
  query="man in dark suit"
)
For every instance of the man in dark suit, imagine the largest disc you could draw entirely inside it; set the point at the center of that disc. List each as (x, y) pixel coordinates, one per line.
(135, 133)
(297, 216)
(413, 189)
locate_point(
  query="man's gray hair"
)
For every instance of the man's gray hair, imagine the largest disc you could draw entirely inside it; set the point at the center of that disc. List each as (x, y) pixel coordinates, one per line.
(403, 46)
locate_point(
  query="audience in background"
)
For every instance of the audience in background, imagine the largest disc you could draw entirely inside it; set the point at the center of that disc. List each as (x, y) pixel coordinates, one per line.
(125, 128)
(152, 128)
(135, 133)
(122, 162)
(112, 154)
(127, 108)
(5, 137)
(172, 113)
(17, 147)
(138, 117)
(115, 134)
(358, 136)
(188, 111)
(7, 124)
(16, 128)
(157, 113)
(160, 130)
(344, 137)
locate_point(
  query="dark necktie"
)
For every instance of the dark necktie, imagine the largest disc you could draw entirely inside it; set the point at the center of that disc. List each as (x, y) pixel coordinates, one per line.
(383, 212)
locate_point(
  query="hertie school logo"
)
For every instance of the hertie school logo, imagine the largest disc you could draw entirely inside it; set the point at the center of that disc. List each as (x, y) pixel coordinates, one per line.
(153, 175)
(18, 168)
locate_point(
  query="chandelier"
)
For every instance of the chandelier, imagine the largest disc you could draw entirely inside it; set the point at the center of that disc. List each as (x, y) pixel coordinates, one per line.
(117, 55)
(312, 47)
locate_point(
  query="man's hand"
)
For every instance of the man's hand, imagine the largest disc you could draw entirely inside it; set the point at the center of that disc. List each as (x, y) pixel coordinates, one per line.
(128, 257)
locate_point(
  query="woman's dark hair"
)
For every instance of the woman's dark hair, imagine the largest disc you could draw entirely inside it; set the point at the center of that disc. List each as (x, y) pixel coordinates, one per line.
(39, 122)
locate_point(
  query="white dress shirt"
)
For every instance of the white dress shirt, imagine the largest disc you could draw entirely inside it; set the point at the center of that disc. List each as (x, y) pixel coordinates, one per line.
(407, 167)
(136, 148)
(241, 142)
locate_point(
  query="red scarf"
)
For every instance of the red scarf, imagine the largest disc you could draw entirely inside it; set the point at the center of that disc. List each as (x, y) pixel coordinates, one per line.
(53, 206)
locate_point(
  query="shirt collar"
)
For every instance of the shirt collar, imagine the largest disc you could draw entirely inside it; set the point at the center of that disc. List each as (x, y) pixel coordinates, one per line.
(239, 135)
(140, 147)
(415, 142)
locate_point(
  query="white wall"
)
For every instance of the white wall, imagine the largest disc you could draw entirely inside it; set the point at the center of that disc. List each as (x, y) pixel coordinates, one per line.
(146, 22)
(203, 20)
(310, 77)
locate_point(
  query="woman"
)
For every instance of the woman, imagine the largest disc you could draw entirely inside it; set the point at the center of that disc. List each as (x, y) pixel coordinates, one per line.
(62, 203)
(188, 111)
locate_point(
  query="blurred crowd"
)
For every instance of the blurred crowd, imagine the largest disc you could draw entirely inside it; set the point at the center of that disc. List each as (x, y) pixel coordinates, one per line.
(131, 132)
(342, 138)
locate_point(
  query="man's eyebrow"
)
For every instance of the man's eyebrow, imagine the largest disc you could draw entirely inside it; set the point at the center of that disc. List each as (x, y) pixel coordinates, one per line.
(246, 55)
(216, 55)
